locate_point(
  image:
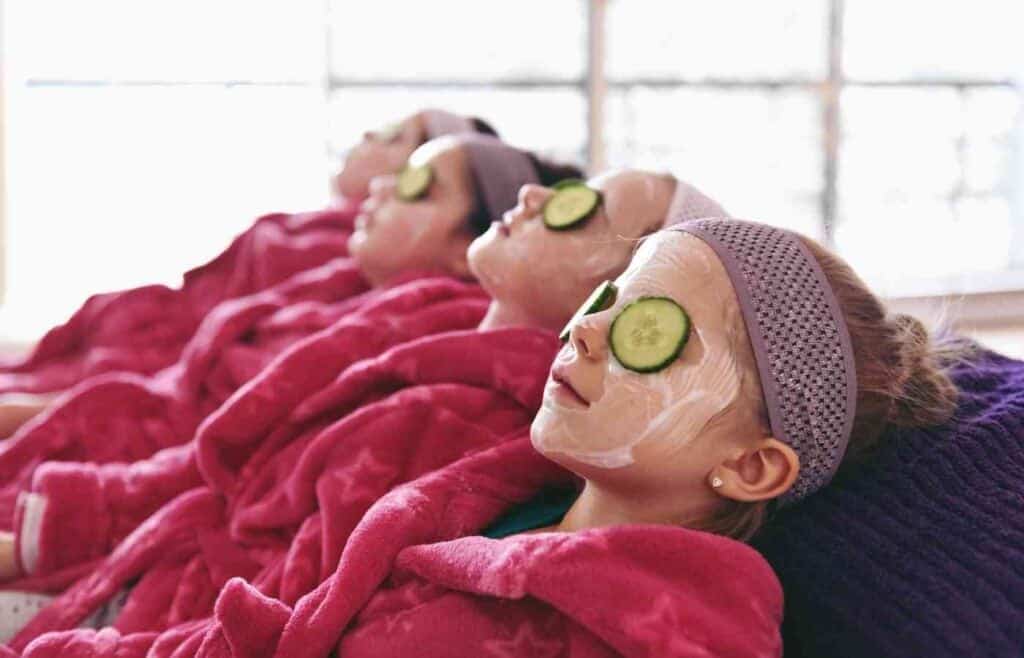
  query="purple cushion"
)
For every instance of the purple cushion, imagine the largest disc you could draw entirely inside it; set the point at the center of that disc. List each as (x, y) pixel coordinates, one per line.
(919, 552)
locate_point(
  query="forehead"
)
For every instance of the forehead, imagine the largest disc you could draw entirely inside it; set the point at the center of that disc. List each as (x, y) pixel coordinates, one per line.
(679, 265)
(446, 157)
(627, 200)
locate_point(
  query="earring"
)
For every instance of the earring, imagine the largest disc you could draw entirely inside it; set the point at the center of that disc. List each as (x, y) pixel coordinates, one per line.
(716, 482)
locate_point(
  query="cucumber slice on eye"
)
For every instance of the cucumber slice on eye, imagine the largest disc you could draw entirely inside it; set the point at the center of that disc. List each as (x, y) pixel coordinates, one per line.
(567, 182)
(649, 334)
(414, 181)
(388, 133)
(571, 204)
(602, 297)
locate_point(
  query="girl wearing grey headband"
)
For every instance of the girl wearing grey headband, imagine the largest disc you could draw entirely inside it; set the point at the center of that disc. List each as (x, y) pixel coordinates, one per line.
(385, 149)
(423, 219)
(739, 366)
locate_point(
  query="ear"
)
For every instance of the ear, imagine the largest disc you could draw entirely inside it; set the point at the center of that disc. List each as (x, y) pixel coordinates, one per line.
(456, 257)
(762, 472)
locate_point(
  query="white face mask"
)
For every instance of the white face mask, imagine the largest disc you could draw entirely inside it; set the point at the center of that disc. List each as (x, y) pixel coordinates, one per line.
(671, 406)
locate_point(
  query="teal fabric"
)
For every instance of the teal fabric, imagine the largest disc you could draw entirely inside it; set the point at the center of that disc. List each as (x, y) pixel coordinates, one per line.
(546, 508)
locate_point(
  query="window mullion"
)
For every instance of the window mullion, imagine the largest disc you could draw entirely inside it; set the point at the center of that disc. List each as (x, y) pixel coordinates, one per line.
(596, 85)
(831, 127)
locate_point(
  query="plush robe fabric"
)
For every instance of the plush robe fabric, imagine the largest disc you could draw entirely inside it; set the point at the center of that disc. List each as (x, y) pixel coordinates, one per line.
(413, 578)
(87, 458)
(416, 408)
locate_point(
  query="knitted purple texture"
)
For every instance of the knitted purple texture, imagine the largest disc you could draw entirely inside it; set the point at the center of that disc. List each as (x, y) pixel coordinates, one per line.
(919, 550)
(800, 340)
(499, 171)
(442, 122)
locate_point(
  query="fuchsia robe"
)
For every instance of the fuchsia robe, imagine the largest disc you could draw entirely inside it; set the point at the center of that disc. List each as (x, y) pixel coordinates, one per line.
(88, 456)
(144, 329)
(411, 578)
(339, 439)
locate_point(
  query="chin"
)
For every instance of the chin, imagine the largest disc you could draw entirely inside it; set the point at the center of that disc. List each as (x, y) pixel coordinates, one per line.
(355, 243)
(485, 264)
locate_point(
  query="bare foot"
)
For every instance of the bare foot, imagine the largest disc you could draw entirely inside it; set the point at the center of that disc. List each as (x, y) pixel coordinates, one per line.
(8, 564)
(17, 409)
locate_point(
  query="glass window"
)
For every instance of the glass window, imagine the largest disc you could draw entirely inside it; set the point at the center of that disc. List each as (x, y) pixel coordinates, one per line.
(458, 39)
(724, 39)
(550, 120)
(758, 152)
(917, 39)
(131, 163)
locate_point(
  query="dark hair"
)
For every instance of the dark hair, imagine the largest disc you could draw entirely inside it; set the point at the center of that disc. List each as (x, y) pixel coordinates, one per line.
(549, 172)
(483, 127)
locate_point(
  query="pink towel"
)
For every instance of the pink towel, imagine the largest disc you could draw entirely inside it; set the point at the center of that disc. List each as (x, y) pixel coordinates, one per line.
(414, 579)
(144, 329)
(91, 504)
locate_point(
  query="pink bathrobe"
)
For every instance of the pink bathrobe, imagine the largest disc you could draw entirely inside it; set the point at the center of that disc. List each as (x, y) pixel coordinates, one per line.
(291, 509)
(144, 329)
(87, 458)
(414, 579)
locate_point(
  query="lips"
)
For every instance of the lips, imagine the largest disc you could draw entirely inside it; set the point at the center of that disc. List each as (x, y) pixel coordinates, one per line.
(564, 388)
(364, 220)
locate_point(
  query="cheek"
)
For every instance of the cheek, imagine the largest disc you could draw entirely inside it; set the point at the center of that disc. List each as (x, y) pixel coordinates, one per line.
(638, 415)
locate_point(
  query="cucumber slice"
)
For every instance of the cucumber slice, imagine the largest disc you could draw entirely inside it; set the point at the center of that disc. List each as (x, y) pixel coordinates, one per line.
(388, 133)
(602, 297)
(571, 204)
(414, 181)
(567, 182)
(649, 334)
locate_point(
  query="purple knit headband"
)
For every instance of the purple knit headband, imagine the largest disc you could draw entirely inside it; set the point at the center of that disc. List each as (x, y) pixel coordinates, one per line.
(442, 122)
(800, 340)
(499, 170)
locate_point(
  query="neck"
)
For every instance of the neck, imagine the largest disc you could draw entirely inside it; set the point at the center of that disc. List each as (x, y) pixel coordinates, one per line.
(501, 315)
(598, 507)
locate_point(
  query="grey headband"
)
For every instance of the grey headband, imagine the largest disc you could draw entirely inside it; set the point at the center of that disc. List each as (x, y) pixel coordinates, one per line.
(499, 171)
(800, 340)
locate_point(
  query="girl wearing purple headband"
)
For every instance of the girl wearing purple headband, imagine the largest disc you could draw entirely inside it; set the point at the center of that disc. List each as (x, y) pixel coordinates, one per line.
(732, 367)
(739, 366)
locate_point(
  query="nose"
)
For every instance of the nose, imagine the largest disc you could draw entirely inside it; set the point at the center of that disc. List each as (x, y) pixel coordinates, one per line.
(381, 187)
(532, 198)
(589, 337)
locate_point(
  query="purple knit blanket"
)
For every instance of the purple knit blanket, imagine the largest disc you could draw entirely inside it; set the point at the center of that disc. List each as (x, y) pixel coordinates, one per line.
(919, 552)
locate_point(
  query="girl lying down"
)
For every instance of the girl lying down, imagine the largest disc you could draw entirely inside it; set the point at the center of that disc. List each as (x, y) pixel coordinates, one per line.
(467, 391)
(145, 329)
(732, 367)
(125, 418)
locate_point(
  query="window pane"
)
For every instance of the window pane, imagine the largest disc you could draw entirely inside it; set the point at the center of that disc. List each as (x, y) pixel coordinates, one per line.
(734, 38)
(900, 142)
(162, 40)
(458, 39)
(931, 168)
(125, 186)
(922, 245)
(552, 121)
(915, 38)
(758, 153)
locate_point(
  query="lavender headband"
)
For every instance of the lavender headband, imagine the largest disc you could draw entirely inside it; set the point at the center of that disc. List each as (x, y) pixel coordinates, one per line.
(441, 122)
(499, 171)
(800, 340)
